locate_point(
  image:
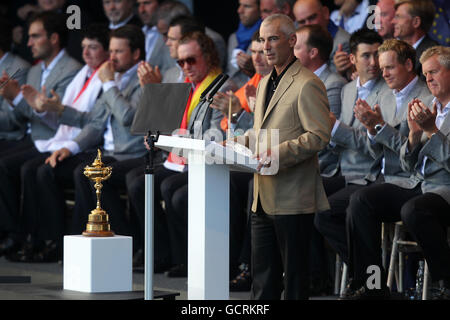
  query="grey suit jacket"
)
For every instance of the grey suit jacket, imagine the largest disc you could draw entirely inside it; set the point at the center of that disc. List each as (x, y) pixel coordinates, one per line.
(436, 177)
(121, 107)
(173, 75)
(44, 127)
(355, 161)
(395, 133)
(161, 56)
(334, 83)
(11, 64)
(341, 37)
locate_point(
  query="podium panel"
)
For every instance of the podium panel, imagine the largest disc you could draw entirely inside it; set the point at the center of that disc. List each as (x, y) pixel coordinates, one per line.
(208, 212)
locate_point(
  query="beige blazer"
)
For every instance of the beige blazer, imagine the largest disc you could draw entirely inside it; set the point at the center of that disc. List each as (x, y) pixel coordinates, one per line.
(299, 111)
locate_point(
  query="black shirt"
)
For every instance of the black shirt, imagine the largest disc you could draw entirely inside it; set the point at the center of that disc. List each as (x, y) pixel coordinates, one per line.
(273, 83)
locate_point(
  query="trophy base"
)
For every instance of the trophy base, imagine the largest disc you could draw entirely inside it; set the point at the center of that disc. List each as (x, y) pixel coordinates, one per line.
(98, 233)
(98, 225)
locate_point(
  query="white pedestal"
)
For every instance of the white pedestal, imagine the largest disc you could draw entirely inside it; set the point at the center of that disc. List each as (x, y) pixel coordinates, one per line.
(102, 264)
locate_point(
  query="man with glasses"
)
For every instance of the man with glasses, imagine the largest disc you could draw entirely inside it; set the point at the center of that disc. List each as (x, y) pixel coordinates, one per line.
(199, 60)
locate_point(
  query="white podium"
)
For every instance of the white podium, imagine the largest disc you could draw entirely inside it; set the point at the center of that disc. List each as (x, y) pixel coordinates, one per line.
(98, 264)
(208, 212)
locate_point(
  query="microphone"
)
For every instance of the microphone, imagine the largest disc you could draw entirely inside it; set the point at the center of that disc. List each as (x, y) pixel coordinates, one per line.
(211, 85)
(217, 87)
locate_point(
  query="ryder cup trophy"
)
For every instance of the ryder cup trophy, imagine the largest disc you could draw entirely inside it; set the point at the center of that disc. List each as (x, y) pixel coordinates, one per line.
(98, 225)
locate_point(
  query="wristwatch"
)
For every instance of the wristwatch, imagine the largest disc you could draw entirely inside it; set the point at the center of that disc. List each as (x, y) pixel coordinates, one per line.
(378, 127)
(235, 116)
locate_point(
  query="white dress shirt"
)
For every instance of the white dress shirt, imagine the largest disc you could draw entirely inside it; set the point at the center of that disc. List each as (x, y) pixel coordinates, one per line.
(355, 21)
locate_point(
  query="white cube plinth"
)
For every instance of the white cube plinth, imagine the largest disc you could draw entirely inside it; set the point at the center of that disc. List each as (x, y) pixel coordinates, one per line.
(98, 264)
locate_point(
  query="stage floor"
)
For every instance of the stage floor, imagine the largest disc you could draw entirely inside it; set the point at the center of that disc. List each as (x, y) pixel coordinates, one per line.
(47, 284)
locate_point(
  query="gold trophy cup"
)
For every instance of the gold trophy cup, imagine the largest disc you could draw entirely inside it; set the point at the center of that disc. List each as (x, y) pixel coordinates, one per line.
(98, 225)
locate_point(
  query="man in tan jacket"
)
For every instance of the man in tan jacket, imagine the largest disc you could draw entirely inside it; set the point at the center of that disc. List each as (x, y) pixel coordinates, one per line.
(291, 126)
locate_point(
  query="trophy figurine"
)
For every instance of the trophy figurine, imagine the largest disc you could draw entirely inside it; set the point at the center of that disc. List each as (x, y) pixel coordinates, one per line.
(98, 225)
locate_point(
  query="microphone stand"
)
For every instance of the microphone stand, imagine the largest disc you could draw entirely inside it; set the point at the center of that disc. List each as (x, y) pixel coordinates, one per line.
(149, 232)
(210, 98)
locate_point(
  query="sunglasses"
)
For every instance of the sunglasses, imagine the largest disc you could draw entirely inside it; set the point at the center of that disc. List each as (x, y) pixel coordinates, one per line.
(190, 61)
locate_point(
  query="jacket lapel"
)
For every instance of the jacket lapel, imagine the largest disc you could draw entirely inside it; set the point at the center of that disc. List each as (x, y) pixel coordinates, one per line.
(347, 115)
(283, 85)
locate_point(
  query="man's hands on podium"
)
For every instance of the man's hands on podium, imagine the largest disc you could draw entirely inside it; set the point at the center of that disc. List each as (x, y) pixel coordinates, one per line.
(148, 74)
(268, 162)
(58, 156)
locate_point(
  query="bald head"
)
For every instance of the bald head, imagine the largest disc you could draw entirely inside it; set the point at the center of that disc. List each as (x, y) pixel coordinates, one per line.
(308, 12)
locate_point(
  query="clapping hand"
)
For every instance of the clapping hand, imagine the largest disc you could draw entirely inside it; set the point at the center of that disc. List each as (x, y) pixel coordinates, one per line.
(423, 117)
(221, 102)
(368, 117)
(245, 63)
(10, 88)
(148, 74)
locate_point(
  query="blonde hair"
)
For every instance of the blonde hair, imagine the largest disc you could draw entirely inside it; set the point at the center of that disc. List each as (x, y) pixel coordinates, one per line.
(443, 54)
(403, 49)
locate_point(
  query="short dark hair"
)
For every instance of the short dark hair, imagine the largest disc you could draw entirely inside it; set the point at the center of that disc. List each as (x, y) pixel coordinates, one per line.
(134, 35)
(207, 47)
(53, 23)
(318, 38)
(5, 35)
(366, 36)
(187, 24)
(99, 32)
(255, 36)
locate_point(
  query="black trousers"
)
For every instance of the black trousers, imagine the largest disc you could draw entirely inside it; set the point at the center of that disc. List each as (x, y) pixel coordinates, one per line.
(135, 184)
(368, 208)
(174, 190)
(427, 217)
(16, 216)
(10, 146)
(331, 223)
(280, 243)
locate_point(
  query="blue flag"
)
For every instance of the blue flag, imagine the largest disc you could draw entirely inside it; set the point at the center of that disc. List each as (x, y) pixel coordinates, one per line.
(440, 30)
